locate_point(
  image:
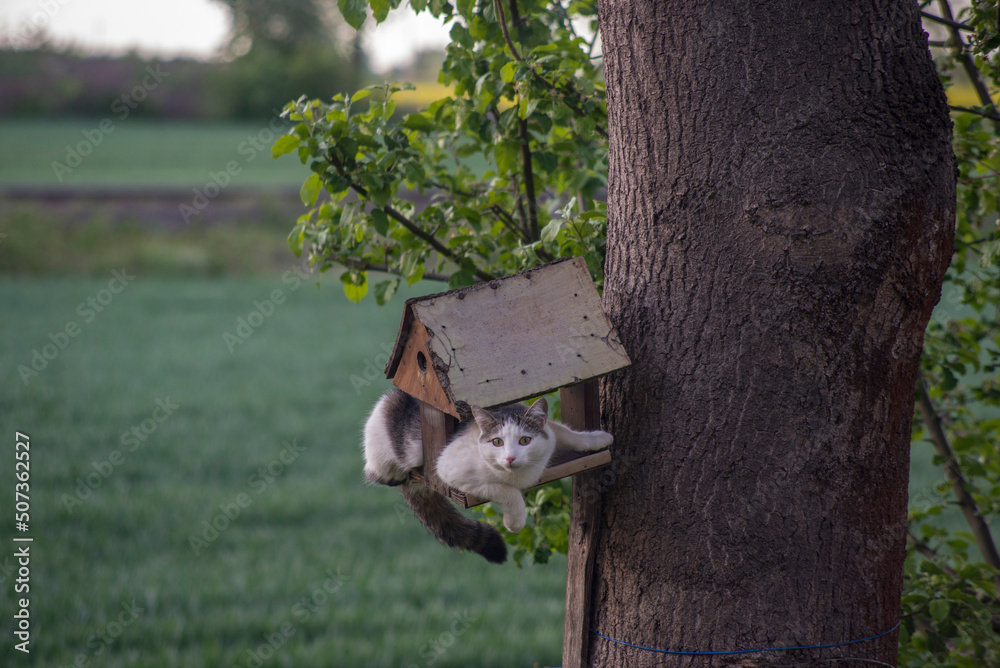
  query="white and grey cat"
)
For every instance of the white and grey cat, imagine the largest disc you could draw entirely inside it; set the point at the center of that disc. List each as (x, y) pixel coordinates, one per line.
(494, 456)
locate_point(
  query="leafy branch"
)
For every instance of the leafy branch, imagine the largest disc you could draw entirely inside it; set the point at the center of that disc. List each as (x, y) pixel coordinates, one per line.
(980, 529)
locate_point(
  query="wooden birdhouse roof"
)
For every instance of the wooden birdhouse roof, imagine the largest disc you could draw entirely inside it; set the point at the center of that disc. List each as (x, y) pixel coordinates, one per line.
(505, 340)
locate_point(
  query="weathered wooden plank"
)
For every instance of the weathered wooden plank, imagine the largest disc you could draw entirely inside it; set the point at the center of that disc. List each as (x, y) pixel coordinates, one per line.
(436, 427)
(585, 462)
(580, 410)
(519, 336)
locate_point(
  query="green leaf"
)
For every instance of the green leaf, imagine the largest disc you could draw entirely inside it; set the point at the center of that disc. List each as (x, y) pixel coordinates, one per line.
(532, 106)
(410, 267)
(295, 239)
(551, 231)
(508, 71)
(379, 195)
(418, 122)
(418, 274)
(939, 609)
(506, 154)
(380, 8)
(355, 12)
(355, 285)
(460, 279)
(285, 144)
(384, 291)
(380, 221)
(310, 189)
(360, 95)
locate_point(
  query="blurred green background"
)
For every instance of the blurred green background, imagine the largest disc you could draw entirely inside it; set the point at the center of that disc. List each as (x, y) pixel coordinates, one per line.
(196, 494)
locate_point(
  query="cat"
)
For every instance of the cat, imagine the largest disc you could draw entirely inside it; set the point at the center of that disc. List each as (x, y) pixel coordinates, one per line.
(494, 456)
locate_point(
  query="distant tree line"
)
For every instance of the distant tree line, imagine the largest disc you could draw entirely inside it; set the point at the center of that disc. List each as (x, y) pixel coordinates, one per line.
(50, 82)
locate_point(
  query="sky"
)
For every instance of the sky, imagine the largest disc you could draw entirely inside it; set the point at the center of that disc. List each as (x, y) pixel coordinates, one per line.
(193, 28)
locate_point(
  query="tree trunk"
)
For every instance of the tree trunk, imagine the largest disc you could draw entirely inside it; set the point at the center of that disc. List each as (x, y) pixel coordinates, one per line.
(781, 210)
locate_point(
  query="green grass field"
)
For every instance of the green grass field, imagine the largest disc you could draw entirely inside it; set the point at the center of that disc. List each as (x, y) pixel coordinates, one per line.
(112, 516)
(140, 152)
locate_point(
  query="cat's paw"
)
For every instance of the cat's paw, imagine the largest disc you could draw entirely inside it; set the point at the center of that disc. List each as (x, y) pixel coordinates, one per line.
(600, 440)
(390, 478)
(514, 522)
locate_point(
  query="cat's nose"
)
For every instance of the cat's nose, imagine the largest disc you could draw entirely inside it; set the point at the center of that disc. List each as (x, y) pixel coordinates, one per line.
(510, 460)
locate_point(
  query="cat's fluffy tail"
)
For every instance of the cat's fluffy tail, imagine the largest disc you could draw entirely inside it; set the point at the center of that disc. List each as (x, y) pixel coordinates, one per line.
(451, 527)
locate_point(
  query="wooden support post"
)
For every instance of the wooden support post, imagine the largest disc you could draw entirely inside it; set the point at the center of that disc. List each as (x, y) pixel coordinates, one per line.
(581, 410)
(436, 427)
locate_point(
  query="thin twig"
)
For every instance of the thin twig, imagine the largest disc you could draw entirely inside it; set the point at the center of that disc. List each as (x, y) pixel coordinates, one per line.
(368, 266)
(508, 222)
(590, 47)
(981, 177)
(515, 15)
(452, 189)
(529, 179)
(980, 529)
(949, 21)
(980, 112)
(968, 63)
(502, 18)
(976, 242)
(519, 206)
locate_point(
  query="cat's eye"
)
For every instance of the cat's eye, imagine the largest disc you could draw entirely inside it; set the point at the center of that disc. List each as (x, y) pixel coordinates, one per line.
(498, 442)
(525, 440)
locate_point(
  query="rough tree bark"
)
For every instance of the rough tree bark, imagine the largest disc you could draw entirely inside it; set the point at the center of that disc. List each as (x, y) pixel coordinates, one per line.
(781, 209)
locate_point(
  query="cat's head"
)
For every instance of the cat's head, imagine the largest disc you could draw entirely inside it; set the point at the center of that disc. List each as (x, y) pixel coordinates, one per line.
(514, 437)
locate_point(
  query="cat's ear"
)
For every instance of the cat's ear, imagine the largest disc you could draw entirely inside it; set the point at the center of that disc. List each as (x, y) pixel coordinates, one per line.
(487, 421)
(538, 410)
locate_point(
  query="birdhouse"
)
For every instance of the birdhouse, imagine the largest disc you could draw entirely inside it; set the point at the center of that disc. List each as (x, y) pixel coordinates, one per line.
(502, 341)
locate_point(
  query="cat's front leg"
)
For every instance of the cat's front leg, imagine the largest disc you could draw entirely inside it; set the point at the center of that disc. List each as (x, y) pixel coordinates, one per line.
(568, 439)
(511, 502)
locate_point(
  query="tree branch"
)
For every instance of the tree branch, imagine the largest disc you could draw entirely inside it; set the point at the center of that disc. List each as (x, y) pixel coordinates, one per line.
(404, 221)
(367, 266)
(963, 55)
(980, 529)
(948, 20)
(451, 189)
(502, 17)
(984, 114)
(508, 221)
(515, 15)
(590, 47)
